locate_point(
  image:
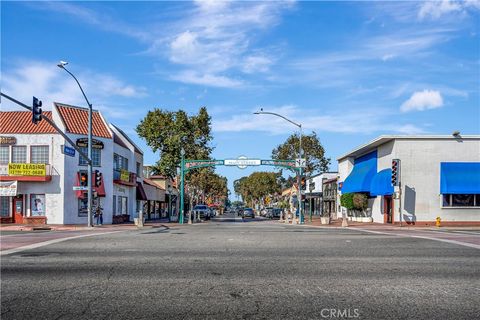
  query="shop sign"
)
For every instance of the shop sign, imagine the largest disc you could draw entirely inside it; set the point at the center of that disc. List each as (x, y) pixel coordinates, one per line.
(8, 188)
(83, 143)
(27, 169)
(7, 141)
(124, 175)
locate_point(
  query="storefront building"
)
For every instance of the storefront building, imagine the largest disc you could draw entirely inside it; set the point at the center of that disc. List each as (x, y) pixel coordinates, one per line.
(439, 177)
(314, 192)
(39, 170)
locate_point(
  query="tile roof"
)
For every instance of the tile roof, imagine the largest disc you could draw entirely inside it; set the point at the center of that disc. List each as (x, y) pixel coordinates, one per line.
(152, 183)
(76, 121)
(12, 122)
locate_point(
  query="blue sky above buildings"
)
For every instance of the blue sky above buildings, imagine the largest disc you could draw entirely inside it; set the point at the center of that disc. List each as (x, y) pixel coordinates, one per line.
(348, 70)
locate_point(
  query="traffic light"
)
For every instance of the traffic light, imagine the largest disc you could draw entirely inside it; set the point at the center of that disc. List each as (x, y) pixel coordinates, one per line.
(395, 172)
(83, 179)
(98, 178)
(36, 111)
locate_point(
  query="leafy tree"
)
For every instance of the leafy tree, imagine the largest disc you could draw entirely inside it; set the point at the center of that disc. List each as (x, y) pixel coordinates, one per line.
(360, 201)
(168, 131)
(346, 200)
(257, 186)
(313, 151)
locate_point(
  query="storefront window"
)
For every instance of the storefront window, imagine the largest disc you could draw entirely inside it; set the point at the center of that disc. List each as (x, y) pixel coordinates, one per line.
(122, 205)
(96, 157)
(83, 207)
(37, 204)
(19, 154)
(4, 155)
(461, 200)
(39, 154)
(4, 206)
(114, 205)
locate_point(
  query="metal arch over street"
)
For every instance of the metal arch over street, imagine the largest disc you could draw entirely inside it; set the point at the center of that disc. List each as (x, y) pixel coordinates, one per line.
(242, 162)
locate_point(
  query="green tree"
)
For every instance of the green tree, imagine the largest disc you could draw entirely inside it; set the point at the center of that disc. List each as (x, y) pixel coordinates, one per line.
(257, 186)
(313, 151)
(168, 131)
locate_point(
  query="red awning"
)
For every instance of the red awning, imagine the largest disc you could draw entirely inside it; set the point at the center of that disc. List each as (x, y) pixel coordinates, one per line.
(141, 192)
(82, 194)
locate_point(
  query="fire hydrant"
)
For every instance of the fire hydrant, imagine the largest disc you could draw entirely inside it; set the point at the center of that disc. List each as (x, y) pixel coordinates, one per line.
(437, 223)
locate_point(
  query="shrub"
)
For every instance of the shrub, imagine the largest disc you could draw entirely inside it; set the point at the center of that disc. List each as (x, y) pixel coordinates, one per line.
(360, 201)
(346, 200)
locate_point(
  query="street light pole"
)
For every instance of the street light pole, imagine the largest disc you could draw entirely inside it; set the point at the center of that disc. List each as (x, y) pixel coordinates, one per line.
(299, 172)
(182, 182)
(62, 65)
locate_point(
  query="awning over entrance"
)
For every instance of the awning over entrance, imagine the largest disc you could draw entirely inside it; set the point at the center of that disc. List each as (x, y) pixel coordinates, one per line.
(362, 174)
(141, 192)
(382, 183)
(460, 177)
(100, 190)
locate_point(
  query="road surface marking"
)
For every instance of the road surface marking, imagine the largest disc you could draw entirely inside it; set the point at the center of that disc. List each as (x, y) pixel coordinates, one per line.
(466, 244)
(48, 242)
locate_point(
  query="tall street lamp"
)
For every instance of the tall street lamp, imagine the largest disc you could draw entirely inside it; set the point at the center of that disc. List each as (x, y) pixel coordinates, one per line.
(299, 172)
(182, 189)
(62, 65)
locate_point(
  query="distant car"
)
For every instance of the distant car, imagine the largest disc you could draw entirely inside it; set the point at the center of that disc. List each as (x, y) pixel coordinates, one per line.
(248, 212)
(267, 212)
(239, 211)
(202, 210)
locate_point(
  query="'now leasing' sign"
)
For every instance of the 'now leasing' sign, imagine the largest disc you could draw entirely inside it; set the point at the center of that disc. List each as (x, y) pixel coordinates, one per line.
(27, 169)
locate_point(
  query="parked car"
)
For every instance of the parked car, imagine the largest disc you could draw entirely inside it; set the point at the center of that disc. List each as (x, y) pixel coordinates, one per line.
(248, 212)
(202, 210)
(267, 212)
(239, 211)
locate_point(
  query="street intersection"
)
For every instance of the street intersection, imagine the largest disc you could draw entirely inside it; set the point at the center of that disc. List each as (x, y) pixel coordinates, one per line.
(246, 269)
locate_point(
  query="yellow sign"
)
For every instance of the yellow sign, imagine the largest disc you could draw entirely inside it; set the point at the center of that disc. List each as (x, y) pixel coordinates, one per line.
(27, 169)
(124, 175)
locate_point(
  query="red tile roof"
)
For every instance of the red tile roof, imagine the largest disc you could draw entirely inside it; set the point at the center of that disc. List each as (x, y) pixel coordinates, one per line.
(76, 121)
(12, 122)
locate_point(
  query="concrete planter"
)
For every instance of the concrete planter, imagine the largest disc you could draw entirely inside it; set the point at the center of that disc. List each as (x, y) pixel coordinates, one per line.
(325, 220)
(367, 219)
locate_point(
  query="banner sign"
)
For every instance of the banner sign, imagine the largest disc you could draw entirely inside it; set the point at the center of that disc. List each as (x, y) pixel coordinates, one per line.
(124, 175)
(8, 188)
(203, 163)
(7, 141)
(83, 143)
(27, 169)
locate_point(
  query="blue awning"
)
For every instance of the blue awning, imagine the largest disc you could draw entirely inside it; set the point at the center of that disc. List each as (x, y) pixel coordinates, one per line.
(382, 183)
(460, 177)
(360, 179)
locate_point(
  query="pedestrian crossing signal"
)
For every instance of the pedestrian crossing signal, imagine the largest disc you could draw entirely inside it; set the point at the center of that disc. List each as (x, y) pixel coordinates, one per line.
(98, 178)
(395, 172)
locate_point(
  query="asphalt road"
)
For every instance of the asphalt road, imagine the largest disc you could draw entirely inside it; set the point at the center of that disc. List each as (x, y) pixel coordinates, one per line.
(229, 269)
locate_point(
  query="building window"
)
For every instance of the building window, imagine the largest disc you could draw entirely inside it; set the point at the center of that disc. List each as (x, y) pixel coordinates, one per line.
(19, 154)
(4, 155)
(83, 207)
(122, 206)
(39, 154)
(119, 162)
(96, 157)
(5, 206)
(461, 200)
(139, 170)
(114, 205)
(37, 205)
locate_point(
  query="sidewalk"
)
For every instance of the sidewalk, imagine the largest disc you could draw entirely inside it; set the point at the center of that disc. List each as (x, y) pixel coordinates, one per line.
(106, 227)
(375, 225)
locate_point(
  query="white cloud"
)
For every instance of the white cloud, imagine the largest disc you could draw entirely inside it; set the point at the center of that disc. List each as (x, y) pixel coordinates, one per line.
(423, 100)
(254, 64)
(212, 80)
(50, 84)
(435, 10)
(353, 122)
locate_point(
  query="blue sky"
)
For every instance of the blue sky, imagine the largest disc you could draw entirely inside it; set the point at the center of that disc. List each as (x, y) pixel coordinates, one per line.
(348, 70)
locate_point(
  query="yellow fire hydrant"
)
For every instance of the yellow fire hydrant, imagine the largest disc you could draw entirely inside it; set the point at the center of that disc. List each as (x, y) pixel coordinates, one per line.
(437, 223)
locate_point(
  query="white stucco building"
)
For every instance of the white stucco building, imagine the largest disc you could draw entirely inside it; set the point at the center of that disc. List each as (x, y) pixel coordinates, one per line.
(38, 176)
(439, 177)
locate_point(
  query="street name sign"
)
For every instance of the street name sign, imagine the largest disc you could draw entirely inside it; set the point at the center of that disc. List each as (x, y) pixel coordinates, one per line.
(242, 163)
(68, 151)
(80, 188)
